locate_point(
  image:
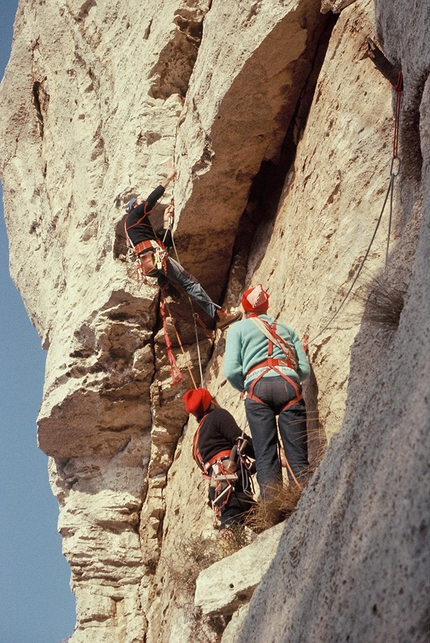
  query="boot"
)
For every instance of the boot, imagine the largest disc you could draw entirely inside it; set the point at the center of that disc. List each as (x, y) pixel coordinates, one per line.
(224, 319)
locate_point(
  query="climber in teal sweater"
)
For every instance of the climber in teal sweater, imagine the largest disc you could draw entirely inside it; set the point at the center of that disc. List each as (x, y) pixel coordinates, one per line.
(266, 359)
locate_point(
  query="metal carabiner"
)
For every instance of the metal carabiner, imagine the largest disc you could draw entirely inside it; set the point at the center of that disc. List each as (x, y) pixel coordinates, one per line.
(393, 160)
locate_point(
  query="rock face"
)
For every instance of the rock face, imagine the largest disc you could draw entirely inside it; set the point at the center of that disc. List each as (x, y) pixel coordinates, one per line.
(281, 129)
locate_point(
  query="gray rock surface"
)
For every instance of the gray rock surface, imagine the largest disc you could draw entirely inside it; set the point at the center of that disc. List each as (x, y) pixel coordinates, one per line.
(281, 130)
(226, 585)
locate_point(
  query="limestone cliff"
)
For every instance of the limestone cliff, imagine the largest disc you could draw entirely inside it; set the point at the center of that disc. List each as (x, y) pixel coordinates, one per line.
(281, 129)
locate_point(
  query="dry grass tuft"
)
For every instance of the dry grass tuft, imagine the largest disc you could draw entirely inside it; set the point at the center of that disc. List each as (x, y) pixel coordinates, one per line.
(318, 442)
(384, 304)
(277, 507)
(194, 555)
(197, 554)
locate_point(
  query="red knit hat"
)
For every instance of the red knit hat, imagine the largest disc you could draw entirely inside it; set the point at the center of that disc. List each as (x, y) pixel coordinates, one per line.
(197, 401)
(255, 300)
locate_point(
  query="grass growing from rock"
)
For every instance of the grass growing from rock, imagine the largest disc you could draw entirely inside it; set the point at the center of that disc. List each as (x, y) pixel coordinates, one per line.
(277, 507)
(384, 304)
(199, 553)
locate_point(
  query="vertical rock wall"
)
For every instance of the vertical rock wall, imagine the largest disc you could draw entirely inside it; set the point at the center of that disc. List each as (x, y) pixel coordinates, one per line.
(353, 562)
(281, 129)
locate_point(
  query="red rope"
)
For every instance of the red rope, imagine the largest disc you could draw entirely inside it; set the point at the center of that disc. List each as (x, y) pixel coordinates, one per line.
(399, 93)
(181, 345)
(175, 372)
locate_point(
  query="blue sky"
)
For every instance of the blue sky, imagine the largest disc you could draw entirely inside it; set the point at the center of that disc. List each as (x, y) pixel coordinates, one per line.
(36, 604)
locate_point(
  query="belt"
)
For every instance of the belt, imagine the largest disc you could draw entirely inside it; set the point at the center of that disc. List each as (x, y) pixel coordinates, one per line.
(269, 363)
(219, 456)
(144, 246)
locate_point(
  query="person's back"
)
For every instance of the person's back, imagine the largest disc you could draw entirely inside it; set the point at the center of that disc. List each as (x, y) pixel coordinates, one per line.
(138, 224)
(247, 347)
(213, 443)
(266, 360)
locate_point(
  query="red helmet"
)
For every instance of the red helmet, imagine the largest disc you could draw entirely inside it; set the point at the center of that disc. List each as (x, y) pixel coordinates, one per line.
(197, 401)
(255, 300)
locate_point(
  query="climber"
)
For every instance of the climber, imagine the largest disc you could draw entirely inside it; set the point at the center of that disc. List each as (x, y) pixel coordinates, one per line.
(221, 452)
(150, 248)
(264, 359)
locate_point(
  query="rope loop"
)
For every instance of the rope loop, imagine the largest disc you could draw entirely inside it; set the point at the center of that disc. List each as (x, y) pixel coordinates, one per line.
(395, 163)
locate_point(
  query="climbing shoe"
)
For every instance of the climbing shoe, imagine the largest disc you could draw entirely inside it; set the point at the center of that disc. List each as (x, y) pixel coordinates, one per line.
(224, 319)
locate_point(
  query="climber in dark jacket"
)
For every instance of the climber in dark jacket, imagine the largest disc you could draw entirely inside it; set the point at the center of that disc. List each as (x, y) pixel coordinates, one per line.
(213, 442)
(148, 245)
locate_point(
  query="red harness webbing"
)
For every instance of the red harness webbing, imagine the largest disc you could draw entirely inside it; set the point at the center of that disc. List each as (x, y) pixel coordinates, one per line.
(223, 489)
(139, 221)
(144, 246)
(271, 363)
(197, 456)
(174, 368)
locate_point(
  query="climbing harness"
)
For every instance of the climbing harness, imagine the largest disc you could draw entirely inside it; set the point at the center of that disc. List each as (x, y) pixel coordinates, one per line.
(270, 331)
(221, 471)
(394, 172)
(271, 363)
(150, 255)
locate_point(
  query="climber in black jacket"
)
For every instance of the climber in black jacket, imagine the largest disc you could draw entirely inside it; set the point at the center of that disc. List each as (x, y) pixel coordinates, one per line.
(150, 247)
(213, 442)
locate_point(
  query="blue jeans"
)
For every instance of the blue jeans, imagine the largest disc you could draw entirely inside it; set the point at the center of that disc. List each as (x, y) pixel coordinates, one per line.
(275, 393)
(177, 275)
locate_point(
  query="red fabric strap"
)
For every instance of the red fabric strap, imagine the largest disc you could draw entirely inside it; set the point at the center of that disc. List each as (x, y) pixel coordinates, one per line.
(219, 456)
(142, 246)
(269, 362)
(175, 372)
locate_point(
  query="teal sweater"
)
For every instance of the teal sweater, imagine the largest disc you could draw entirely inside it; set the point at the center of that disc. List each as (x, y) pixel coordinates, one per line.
(246, 346)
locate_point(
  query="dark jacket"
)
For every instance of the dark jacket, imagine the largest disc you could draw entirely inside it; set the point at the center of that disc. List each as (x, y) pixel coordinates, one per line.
(138, 225)
(219, 432)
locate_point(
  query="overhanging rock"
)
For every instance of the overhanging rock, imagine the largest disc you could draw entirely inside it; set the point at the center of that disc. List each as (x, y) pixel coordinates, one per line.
(236, 115)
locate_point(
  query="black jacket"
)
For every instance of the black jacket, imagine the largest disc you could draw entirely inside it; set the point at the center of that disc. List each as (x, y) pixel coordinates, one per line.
(219, 432)
(138, 225)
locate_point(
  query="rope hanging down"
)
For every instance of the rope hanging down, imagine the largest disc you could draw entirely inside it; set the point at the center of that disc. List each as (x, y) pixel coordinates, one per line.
(195, 318)
(394, 171)
(175, 371)
(180, 345)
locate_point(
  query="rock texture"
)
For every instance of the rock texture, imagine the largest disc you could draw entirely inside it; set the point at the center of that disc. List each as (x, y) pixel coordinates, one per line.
(281, 129)
(353, 564)
(226, 585)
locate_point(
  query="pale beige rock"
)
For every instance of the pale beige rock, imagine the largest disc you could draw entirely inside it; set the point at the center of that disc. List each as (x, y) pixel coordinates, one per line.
(335, 6)
(354, 563)
(232, 630)
(90, 108)
(235, 116)
(228, 584)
